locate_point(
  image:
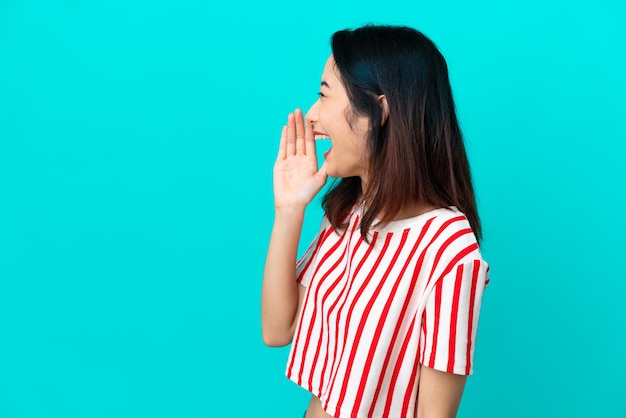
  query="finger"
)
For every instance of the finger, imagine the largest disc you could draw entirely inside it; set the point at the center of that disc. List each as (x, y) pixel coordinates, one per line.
(291, 135)
(309, 140)
(282, 147)
(300, 147)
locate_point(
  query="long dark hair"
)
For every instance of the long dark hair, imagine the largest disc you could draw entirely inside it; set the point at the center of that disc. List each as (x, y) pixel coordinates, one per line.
(417, 154)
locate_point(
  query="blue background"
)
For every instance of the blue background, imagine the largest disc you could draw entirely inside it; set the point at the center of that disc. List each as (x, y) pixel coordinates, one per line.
(137, 140)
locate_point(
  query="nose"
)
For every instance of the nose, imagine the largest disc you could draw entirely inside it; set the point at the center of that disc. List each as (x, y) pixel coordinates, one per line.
(311, 114)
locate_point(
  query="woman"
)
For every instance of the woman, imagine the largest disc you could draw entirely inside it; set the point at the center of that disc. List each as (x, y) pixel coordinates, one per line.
(382, 309)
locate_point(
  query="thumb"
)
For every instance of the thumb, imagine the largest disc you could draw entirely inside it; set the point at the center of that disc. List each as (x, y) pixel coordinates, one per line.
(322, 174)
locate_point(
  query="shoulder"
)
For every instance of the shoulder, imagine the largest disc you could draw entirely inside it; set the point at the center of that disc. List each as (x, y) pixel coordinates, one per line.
(453, 227)
(450, 241)
(439, 225)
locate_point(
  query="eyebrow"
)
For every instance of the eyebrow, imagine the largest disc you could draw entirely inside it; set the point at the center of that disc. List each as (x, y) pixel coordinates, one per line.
(323, 83)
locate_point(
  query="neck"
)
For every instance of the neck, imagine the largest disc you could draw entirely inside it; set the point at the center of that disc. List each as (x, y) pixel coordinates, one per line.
(413, 210)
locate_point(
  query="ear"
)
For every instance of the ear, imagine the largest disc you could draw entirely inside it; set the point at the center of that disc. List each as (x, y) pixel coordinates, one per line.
(382, 101)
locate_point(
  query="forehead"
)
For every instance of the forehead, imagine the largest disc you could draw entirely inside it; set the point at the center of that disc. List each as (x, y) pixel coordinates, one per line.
(330, 71)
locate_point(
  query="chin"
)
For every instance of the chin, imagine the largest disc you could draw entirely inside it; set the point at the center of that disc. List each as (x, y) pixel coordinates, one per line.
(332, 172)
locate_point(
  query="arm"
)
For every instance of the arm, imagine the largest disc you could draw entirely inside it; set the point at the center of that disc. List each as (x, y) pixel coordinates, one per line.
(451, 318)
(439, 393)
(296, 181)
(281, 295)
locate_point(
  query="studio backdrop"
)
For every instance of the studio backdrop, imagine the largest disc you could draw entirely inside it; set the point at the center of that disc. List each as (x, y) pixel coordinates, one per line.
(137, 140)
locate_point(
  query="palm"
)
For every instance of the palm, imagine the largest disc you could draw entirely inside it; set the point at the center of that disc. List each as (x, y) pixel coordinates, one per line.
(295, 182)
(296, 177)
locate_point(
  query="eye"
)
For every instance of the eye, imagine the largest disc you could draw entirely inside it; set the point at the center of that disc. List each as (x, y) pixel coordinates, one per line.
(320, 94)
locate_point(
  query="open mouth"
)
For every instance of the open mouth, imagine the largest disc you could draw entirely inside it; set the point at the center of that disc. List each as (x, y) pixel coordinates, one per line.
(320, 136)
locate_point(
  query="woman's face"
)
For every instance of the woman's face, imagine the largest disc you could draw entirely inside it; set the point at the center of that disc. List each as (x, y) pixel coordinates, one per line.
(347, 157)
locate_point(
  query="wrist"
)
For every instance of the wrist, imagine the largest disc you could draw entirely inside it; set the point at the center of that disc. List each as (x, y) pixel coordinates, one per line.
(289, 213)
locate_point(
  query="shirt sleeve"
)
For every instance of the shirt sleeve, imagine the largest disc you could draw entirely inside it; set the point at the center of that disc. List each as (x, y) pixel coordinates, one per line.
(305, 265)
(450, 319)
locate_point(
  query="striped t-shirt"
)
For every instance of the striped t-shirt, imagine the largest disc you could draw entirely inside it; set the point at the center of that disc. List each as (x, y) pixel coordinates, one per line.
(373, 312)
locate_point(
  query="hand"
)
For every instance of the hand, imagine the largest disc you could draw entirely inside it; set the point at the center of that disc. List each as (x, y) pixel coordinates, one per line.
(296, 177)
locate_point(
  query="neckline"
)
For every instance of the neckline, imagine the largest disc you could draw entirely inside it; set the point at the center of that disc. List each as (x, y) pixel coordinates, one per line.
(402, 224)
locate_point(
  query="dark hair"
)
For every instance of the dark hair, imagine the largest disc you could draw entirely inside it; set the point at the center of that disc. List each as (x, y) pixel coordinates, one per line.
(415, 156)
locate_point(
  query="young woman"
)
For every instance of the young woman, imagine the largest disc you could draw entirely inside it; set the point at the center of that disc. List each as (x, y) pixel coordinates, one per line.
(382, 309)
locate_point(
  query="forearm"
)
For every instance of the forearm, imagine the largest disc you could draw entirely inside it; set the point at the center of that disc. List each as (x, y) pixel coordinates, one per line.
(279, 294)
(439, 393)
(296, 181)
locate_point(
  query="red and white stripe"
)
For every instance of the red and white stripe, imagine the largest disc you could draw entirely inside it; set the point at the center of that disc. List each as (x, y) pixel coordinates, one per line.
(373, 312)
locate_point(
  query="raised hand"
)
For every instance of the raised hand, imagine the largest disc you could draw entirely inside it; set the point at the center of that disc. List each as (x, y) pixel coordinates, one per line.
(296, 177)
